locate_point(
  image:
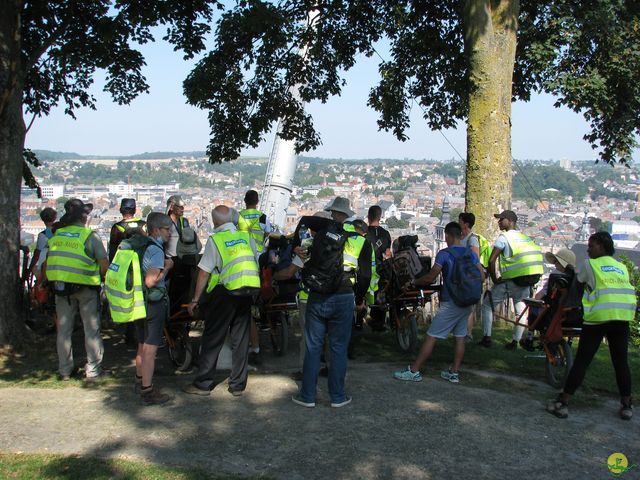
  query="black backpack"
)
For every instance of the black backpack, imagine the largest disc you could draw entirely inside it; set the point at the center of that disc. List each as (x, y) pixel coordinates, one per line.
(324, 271)
(465, 281)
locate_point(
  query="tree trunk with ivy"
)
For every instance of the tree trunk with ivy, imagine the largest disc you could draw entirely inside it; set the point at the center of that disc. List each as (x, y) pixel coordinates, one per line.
(490, 41)
(12, 134)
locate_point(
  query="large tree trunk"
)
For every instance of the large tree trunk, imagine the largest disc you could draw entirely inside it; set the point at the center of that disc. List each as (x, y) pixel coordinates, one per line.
(490, 42)
(12, 133)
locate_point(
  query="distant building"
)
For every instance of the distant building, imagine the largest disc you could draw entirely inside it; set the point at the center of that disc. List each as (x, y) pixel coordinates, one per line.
(439, 240)
(565, 163)
(121, 189)
(52, 191)
(388, 210)
(625, 234)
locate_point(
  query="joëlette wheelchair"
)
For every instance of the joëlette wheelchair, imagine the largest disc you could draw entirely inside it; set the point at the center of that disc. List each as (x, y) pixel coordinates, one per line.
(556, 321)
(277, 300)
(405, 307)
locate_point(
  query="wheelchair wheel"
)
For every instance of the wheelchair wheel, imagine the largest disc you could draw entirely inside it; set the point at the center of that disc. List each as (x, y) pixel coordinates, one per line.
(179, 347)
(407, 332)
(558, 369)
(279, 333)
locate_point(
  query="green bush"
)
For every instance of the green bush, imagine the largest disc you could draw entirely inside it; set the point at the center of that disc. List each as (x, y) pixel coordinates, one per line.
(634, 278)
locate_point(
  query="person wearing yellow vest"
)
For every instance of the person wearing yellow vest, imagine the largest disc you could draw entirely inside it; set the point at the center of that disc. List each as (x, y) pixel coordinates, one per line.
(228, 278)
(356, 241)
(381, 241)
(125, 228)
(521, 264)
(75, 265)
(609, 303)
(48, 216)
(256, 223)
(332, 314)
(155, 267)
(362, 228)
(253, 221)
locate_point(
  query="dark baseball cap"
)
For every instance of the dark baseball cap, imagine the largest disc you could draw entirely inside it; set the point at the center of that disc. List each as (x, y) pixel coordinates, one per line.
(128, 204)
(508, 214)
(75, 206)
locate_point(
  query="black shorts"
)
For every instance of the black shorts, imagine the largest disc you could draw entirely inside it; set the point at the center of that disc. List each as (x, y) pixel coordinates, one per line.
(149, 330)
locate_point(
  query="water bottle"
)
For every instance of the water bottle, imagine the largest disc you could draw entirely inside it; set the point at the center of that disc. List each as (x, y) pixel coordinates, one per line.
(305, 239)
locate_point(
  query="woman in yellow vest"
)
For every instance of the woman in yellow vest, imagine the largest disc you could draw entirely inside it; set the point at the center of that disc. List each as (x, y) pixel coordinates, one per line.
(609, 303)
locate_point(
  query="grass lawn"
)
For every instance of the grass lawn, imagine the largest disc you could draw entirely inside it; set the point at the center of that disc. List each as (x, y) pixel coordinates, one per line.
(377, 347)
(39, 466)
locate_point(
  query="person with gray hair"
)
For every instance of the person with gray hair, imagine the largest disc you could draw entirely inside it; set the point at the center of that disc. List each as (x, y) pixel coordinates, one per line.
(229, 273)
(221, 215)
(155, 267)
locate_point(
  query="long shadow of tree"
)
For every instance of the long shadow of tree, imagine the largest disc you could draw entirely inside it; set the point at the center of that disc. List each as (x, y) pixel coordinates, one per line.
(392, 430)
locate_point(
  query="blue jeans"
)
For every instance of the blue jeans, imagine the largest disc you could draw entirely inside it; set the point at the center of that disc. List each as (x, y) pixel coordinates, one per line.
(332, 314)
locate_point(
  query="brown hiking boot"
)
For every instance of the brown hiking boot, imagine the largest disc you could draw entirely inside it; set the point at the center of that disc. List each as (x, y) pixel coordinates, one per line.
(153, 396)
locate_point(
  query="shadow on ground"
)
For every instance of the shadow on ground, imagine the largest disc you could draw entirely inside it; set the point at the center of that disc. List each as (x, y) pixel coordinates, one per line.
(429, 430)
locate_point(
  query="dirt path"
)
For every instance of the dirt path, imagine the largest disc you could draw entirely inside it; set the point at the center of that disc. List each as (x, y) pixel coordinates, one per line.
(392, 429)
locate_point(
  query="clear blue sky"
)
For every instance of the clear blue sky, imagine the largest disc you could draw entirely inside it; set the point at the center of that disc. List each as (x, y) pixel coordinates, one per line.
(162, 121)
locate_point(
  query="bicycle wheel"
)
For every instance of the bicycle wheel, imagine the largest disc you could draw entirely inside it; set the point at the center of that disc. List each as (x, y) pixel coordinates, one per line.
(558, 368)
(407, 332)
(179, 347)
(279, 333)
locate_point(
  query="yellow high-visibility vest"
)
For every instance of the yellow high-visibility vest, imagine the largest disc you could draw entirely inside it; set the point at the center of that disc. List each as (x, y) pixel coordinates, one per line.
(124, 288)
(613, 297)
(526, 257)
(352, 248)
(249, 221)
(375, 278)
(128, 224)
(239, 267)
(67, 260)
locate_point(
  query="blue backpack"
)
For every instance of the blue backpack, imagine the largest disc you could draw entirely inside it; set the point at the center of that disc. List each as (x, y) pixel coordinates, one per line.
(465, 281)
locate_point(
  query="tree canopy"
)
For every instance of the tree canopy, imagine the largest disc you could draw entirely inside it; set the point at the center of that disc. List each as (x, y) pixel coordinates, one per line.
(584, 53)
(64, 43)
